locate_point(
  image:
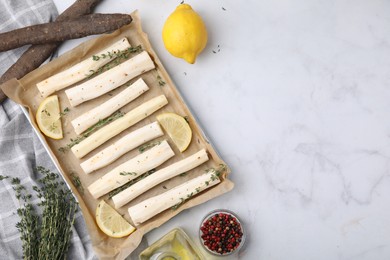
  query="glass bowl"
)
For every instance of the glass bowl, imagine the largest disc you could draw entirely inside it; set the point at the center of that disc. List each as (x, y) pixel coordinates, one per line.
(216, 229)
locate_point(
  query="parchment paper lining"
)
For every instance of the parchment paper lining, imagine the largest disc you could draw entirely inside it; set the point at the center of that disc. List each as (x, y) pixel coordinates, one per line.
(24, 92)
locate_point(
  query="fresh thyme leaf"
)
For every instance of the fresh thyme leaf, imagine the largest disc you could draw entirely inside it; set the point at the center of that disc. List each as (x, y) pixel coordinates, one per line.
(216, 173)
(214, 177)
(77, 182)
(182, 201)
(66, 111)
(148, 146)
(123, 187)
(2, 177)
(89, 131)
(63, 149)
(46, 112)
(128, 173)
(161, 82)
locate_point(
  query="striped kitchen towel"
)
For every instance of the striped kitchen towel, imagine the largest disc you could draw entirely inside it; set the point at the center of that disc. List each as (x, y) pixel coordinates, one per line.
(20, 148)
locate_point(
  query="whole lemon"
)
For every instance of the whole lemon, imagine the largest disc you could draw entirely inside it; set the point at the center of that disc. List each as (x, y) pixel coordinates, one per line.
(184, 33)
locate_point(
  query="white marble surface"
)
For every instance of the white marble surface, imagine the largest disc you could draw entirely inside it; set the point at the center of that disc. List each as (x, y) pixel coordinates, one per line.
(297, 100)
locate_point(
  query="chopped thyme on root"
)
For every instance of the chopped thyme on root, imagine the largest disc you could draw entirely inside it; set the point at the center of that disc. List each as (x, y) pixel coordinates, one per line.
(123, 187)
(118, 54)
(183, 200)
(119, 57)
(128, 173)
(216, 173)
(219, 171)
(148, 146)
(89, 131)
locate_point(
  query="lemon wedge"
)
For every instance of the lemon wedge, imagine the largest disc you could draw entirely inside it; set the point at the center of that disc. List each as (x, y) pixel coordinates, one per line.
(111, 222)
(177, 128)
(48, 117)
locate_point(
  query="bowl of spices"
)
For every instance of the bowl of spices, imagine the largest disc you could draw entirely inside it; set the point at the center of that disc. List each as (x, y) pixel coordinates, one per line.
(221, 232)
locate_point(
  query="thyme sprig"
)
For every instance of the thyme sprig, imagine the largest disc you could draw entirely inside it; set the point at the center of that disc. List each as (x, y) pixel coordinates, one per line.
(119, 56)
(148, 146)
(46, 236)
(130, 183)
(28, 224)
(89, 131)
(59, 208)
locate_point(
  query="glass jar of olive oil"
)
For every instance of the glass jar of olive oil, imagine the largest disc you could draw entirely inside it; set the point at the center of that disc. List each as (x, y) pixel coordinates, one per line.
(175, 245)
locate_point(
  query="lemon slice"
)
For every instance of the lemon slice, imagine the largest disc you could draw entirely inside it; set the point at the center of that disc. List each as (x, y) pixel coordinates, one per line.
(177, 128)
(48, 117)
(111, 222)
